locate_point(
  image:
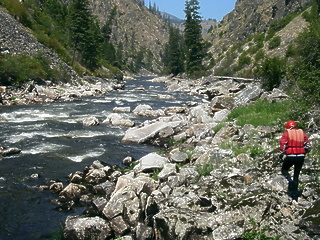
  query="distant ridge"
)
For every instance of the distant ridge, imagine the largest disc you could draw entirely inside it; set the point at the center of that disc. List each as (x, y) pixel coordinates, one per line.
(172, 18)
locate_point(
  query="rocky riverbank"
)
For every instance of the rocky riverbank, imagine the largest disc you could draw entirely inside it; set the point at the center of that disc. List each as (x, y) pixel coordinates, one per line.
(198, 189)
(31, 93)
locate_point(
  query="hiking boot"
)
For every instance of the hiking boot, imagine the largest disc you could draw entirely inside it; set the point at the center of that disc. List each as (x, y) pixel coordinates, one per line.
(292, 187)
(295, 197)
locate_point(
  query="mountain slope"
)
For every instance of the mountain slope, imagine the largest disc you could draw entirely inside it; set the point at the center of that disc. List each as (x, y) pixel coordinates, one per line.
(137, 35)
(135, 27)
(253, 17)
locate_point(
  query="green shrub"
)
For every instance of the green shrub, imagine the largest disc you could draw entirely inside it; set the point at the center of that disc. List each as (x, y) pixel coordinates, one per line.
(291, 52)
(242, 61)
(16, 70)
(204, 169)
(155, 174)
(256, 232)
(275, 42)
(255, 150)
(259, 55)
(271, 72)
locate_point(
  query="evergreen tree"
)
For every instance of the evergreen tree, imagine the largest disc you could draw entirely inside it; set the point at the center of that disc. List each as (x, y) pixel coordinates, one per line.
(173, 53)
(83, 33)
(56, 10)
(108, 50)
(92, 48)
(195, 52)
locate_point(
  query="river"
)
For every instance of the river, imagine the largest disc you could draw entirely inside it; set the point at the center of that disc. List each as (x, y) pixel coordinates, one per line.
(54, 143)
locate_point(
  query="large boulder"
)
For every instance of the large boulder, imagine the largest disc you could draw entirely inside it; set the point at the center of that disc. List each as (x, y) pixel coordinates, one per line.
(127, 203)
(183, 224)
(199, 114)
(116, 119)
(72, 192)
(248, 95)
(150, 162)
(147, 132)
(222, 102)
(86, 228)
(147, 111)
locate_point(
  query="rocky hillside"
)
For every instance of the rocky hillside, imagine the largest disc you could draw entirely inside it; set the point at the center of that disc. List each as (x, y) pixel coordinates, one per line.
(253, 16)
(250, 18)
(16, 39)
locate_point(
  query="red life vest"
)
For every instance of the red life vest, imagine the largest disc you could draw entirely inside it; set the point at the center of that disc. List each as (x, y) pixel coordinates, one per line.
(295, 143)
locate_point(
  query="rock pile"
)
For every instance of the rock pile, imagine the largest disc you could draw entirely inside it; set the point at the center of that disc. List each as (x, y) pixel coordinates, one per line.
(198, 190)
(33, 93)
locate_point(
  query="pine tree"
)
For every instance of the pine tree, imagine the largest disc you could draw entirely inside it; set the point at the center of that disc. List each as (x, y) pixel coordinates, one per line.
(173, 53)
(108, 49)
(84, 33)
(195, 52)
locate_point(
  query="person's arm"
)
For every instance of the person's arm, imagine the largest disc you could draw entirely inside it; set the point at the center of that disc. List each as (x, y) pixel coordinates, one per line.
(283, 141)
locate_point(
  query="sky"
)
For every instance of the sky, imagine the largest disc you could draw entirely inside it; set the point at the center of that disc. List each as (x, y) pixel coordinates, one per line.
(215, 9)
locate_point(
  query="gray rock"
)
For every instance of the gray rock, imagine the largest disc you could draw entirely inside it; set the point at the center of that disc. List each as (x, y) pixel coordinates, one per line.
(121, 109)
(97, 164)
(183, 224)
(249, 94)
(200, 130)
(150, 162)
(145, 133)
(179, 157)
(72, 192)
(99, 203)
(221, 115)
(56, 187)
(119, 225)
(105, 188)
(222, 102)
(147, 111)
(90, 121)
(86, 228)
(144, 232)
(199, 115)
(95, 176)
(7, 151)
(127, 161)
(277, 95)
(227, 232)
(169, 169)
(116, 119)
(174, 110)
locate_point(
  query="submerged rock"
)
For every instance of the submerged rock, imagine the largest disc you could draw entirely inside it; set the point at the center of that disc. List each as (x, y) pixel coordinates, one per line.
(7, 151)
(90, 121)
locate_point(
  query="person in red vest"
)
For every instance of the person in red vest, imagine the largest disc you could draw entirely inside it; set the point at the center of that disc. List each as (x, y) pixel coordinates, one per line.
(294, 144)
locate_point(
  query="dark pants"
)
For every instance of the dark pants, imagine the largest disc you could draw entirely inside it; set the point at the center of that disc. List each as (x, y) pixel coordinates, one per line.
(288, 162)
